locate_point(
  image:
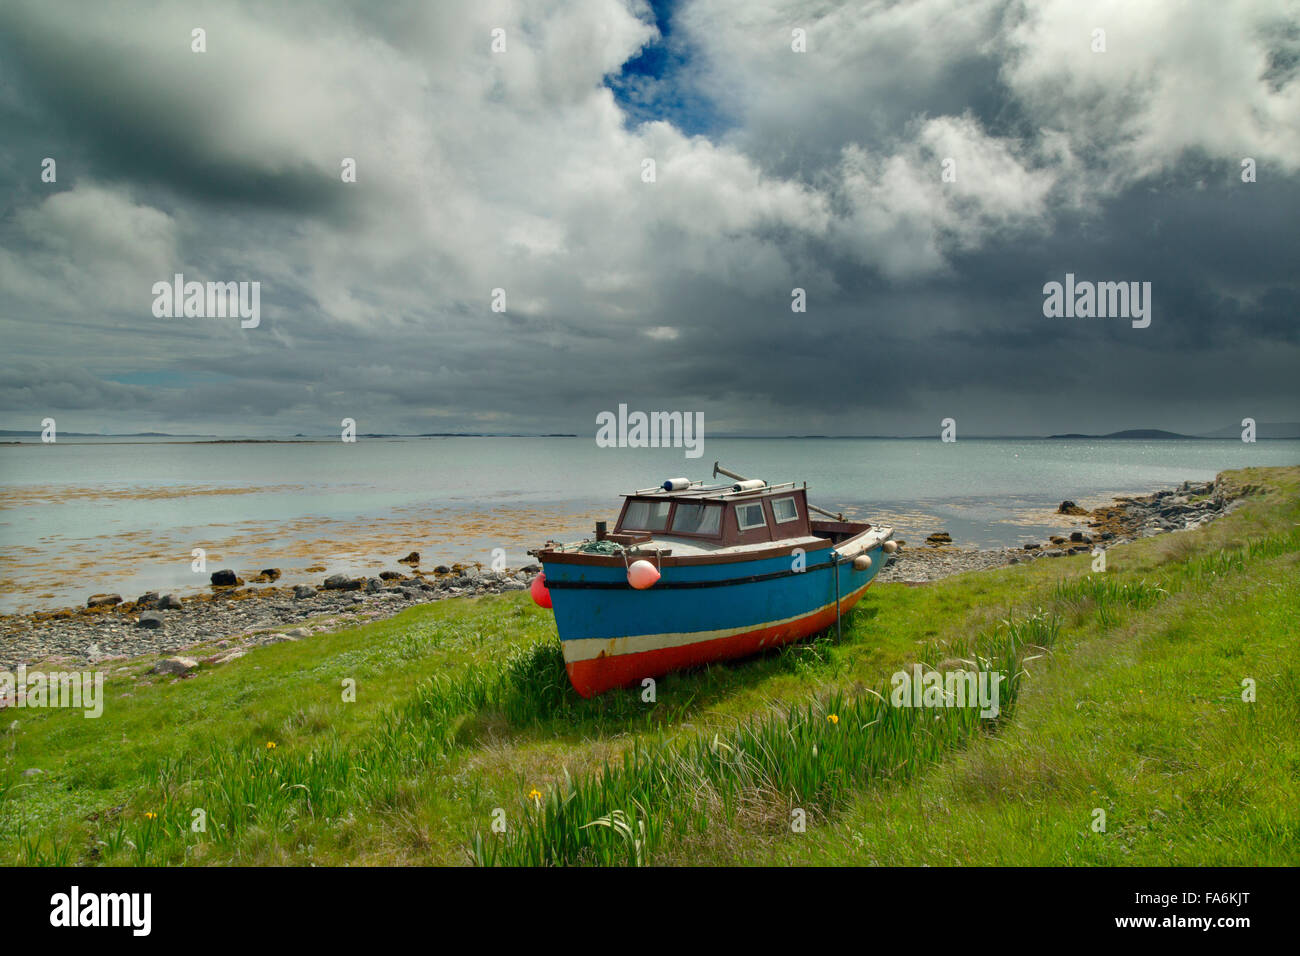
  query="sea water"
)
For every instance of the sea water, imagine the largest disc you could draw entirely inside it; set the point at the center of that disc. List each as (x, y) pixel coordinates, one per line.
(83, 516)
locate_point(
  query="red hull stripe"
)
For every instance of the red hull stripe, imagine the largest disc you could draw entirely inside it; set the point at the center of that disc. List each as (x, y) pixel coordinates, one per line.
(596, 675)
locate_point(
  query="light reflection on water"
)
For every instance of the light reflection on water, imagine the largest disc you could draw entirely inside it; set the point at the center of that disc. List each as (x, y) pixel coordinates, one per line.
(82, 517)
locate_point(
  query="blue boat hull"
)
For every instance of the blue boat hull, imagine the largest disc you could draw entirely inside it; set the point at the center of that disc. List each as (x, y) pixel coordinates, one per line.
(614, 635)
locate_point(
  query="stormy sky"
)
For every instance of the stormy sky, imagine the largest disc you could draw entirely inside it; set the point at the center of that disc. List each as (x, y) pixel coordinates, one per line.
(523, 169)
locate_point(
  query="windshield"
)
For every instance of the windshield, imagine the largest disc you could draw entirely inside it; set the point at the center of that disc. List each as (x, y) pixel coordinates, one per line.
(697, 519)
(646, 515)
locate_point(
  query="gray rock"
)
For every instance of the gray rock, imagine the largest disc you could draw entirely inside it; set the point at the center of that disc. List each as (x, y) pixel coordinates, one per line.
(100, 600)
(150, 619)
(374, 586)
(169, 602)
(341, 582)
(224, 578)
(301, 591)
(299, 632)
(149, 599)
(177, 666)
(513, 585)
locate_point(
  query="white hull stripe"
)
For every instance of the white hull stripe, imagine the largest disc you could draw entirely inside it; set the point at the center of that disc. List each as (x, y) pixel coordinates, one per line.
(584, 649)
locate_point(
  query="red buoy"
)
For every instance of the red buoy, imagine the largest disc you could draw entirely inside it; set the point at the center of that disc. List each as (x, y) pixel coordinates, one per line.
(642, 574)
(541, 595)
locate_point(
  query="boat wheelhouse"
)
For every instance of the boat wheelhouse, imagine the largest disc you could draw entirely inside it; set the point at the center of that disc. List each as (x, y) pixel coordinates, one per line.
(696, 572)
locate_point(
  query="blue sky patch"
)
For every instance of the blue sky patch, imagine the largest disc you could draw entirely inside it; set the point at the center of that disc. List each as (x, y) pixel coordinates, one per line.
(655, 84)
(169, 378)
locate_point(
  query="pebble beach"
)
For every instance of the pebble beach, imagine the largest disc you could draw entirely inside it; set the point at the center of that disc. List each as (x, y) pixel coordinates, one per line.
(236, 616)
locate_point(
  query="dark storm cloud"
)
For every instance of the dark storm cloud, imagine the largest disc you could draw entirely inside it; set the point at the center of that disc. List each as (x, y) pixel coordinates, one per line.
(154, 120)
(29, 385)
(523, 172)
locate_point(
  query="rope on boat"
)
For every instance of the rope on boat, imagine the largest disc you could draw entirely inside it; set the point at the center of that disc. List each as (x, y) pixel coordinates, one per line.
(601, 547)
(835, 562)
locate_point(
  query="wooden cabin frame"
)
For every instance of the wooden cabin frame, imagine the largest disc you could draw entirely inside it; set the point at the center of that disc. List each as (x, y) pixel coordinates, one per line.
(738, 524)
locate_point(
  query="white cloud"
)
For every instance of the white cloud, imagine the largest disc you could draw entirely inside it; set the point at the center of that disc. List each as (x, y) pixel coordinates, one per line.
(904, 218)
(90, 249)
(1173, 77)
(519, 170)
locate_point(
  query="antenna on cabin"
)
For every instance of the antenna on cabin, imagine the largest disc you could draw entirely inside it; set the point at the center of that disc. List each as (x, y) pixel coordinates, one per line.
(719, 470)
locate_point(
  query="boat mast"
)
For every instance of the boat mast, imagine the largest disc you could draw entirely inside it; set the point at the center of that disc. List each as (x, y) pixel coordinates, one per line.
(719, 470)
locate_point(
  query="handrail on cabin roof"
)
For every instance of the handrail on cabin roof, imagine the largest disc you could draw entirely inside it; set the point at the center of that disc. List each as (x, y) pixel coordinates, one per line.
(719, 492)
(781, 486)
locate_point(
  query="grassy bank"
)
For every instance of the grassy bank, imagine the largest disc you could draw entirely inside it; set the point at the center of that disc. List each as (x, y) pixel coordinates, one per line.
(1124, 698)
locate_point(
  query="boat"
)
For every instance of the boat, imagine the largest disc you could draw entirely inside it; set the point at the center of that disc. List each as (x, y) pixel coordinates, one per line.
(695, 573)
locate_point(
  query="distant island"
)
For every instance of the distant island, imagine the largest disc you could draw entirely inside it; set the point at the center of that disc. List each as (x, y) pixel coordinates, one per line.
(298, 439)
(1148, 433)
(1263, 431)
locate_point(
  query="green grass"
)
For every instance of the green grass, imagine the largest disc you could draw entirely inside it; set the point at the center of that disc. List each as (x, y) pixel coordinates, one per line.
(1124, 696)
(807, 759)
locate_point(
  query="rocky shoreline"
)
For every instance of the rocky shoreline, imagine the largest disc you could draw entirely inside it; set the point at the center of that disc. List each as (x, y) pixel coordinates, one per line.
(1129, 518)
(236, 616)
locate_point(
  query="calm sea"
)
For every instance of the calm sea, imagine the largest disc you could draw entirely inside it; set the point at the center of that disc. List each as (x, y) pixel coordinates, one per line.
(79, 517)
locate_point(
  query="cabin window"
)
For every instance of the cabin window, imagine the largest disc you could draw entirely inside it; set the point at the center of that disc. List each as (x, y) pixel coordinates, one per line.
(697, 519)
(784, 509)
(646, 515)
(750, 516)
